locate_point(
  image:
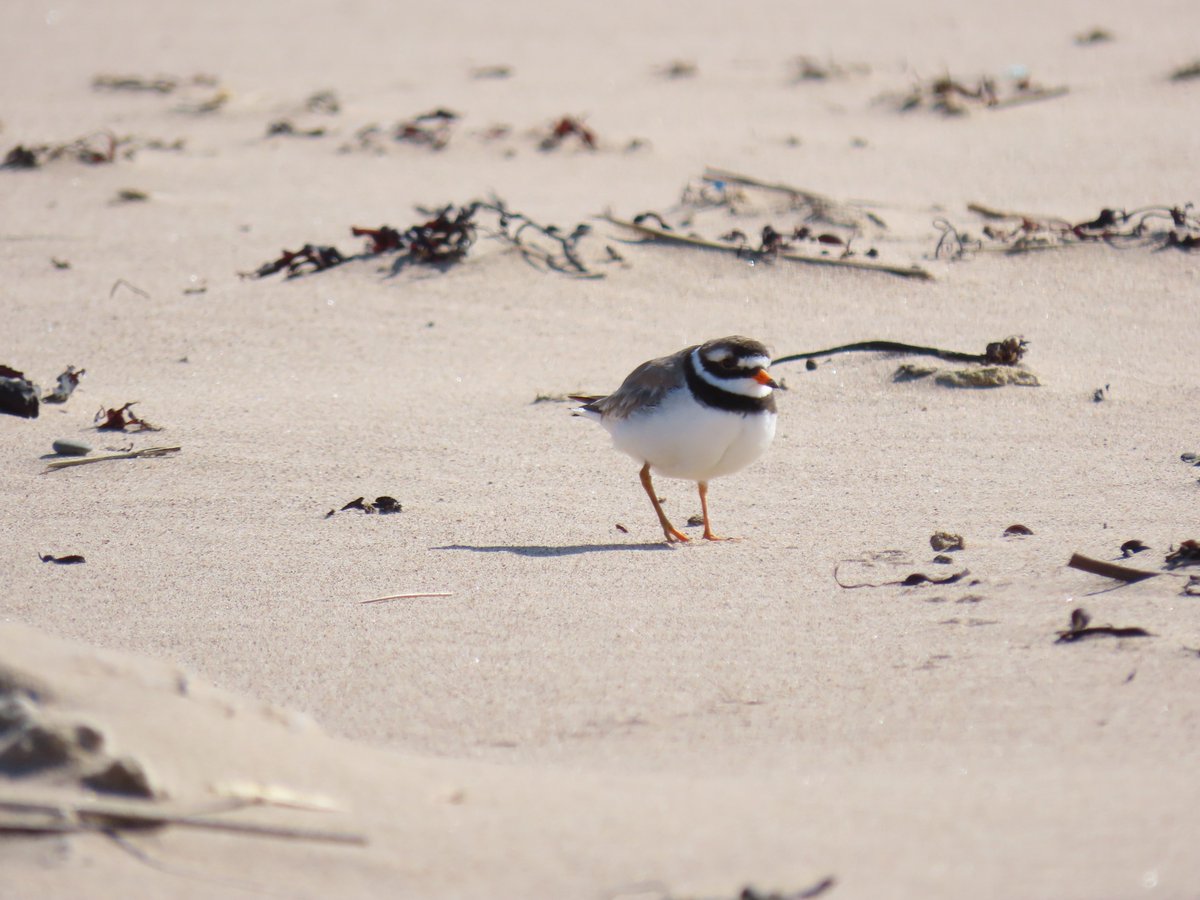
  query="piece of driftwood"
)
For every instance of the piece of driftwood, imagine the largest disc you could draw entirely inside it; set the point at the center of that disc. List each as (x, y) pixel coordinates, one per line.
(132, 454)
(1127, 574)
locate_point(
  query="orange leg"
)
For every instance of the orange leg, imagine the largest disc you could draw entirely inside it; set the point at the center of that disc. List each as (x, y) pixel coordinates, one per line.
(708, 533)
(672, 533)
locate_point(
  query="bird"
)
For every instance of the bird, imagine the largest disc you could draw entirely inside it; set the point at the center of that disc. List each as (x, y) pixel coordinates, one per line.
(702, 412)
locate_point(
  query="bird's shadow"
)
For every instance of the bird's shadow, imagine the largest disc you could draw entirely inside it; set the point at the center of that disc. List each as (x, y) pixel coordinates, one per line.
(539, 550)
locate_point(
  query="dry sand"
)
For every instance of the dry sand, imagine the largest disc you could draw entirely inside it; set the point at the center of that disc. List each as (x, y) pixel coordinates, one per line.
(590, 713)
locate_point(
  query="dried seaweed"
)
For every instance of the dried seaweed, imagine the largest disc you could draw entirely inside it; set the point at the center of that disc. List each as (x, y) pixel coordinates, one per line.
(845, 260)
(93, 149)
(122, 419)
(950, 96)
(432, 129)
(566, 128)
(1007, 352)
(444, 239)
(1187, 554)
(1080, 629)
(1154, 227)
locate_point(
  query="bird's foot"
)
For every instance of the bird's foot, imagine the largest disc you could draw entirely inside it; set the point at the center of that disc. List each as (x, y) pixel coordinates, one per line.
(675, 536)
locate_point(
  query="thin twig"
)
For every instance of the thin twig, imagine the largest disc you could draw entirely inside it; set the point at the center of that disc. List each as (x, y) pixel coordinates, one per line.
(110, 815)
(1030, 96)
(133, 454)
(408, 596)
(659, 234)
(133, 287)
(821, 204)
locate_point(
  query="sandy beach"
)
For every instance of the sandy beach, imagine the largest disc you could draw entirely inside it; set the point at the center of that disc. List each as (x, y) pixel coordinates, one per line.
(204, 706)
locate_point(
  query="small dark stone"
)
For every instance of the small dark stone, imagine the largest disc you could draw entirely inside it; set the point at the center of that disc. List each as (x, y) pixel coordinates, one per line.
(124, 776)
(944, 540)
(35, 749)
(1017, 530)
(942, 559)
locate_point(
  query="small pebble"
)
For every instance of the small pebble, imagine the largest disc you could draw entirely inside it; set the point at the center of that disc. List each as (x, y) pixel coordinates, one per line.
(65, 447)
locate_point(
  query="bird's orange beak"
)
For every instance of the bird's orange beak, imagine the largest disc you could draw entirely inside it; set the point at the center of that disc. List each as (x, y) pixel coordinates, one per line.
(763, 378)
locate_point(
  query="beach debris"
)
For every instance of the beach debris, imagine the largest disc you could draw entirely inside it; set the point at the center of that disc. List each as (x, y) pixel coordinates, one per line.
(1187, 554)
(945, 541)
(156, 84)
(70, 447)
(323, 102)
(382, 505)
(123, 776)
(1017, 531)
(145, 453)
(112, 816)
(432, 129)
(287, 128)
(768, 252)
(942, 559)
(950, 96)
(1093, 36)
(411, 596)
(997, 357)
(1154, 227)
(1007, 352)
(122, 283)
(885, 559)
(1186, 72)
(1190, 458)
(678, 68)
(1192, 588)
(265, 794)
(66, 384)
(749, 892)
(445, 238)
(1131, 547)
(621, 528)
(92, 149)
(70, 559)
(309, 258)
(565, 128)
(131, 195)
(122, 419)
(491, 71)
(807, 69)
(824, 231)
(206, 106)
(1080, 629)
(1100, 394)
(1108, 569)
(18, 395)
(60, 264)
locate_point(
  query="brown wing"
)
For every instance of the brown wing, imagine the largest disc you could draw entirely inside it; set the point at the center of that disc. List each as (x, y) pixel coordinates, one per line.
(645, 386)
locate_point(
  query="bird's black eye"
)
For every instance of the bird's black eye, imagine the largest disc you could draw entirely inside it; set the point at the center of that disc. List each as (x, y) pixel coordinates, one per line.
(728, 364)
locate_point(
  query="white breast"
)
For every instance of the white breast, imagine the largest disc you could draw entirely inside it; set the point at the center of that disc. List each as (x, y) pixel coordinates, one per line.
(681, 438)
